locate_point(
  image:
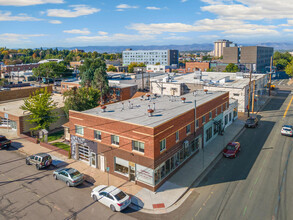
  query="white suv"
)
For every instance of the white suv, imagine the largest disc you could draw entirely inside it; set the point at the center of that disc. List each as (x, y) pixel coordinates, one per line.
(287, 130)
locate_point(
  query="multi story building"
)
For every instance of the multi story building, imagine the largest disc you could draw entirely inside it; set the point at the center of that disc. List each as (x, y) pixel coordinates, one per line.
(18, 68)
(237, 84)
(195, 66)
(147, 139)
(219, 45)
(164, 57)
(258, 57)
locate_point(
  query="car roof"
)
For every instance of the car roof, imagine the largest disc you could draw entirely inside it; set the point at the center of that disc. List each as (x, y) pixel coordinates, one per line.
(232, 143)
(2, 136)
(112, 190)
(42, 154)
(288, 126)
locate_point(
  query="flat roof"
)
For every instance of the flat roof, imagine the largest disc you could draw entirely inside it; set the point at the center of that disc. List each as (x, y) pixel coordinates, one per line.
(12, 107)
(165, 108)
(112, 83)
(236, 80)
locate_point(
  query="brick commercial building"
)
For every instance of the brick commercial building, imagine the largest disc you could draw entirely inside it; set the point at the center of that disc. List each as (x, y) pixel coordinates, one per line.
(136, 144)
(195, 66)
(118, 91)
(257, 56)
(18, 68)
(12, 117)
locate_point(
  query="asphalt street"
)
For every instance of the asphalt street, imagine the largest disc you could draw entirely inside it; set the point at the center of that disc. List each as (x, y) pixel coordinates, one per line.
(28, 193)
(255, 185)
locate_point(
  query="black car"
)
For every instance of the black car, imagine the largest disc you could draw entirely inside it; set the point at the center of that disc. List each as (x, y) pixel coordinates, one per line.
(251, 122)
(4, 142)
(40, 160)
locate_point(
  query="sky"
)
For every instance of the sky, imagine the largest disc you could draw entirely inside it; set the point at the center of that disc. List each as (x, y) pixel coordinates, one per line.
(69, 23)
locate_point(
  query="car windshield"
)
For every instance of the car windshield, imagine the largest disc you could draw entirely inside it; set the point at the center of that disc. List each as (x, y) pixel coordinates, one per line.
(286, 129)
(3, 139)
(75, 174)
(230, 147)
(120, 196)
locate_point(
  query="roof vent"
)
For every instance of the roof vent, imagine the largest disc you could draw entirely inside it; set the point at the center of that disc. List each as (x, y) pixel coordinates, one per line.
(104, 108)
(206, 91)
(183, 99)
(122, 106)
(150, 111)
(154, 106)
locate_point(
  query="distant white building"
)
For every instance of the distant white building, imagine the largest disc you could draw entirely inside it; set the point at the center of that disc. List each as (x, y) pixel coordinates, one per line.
(237, 84)
(50, 60)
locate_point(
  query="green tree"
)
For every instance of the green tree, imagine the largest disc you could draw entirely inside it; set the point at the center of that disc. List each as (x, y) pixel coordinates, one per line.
(231, 68)
(81, 99)
(101, 81)
(41, 107)
(87, 71)
(134, 64)
(281, 60)
(289, 69)
(112, 68)
(158, 63)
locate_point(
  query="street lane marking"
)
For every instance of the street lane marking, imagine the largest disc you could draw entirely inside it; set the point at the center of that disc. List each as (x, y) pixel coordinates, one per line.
(250, 194)
(244, 211)
(287, 108)
(205, 202)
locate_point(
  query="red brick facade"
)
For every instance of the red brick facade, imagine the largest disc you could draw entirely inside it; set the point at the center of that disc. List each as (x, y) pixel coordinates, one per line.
(195, 66)
(19, 67)
(150, 136)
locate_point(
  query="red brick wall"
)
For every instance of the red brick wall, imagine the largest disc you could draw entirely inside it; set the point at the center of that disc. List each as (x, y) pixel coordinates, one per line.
(70, 85)
(21, 92)
(193, 66)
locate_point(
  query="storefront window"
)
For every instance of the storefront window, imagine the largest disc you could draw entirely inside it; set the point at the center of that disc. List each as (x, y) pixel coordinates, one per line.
(157, 176)
(177, 159)
(168, 168)
(163, 171)
(181, 158)
(172, 161)
(121, 166)
(230, 116)
(186, 150)
(209, 134)
(235, 112)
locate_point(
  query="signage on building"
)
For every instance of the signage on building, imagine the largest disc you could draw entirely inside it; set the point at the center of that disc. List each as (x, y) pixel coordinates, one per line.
(6, 115)
(144, 174)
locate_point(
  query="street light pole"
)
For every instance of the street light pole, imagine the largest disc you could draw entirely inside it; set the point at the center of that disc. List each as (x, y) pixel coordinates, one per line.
(248, 106)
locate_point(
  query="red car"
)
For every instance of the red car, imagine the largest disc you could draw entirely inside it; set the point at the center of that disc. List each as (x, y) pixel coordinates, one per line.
(231, 149)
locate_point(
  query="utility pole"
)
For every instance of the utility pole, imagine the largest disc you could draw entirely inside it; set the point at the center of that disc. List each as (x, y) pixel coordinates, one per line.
(149, 81)
(253, 93)
(270, 75)
(142, 81)
(248, 106)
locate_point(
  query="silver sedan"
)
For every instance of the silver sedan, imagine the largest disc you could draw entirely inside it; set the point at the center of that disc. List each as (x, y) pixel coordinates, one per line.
(70, 176)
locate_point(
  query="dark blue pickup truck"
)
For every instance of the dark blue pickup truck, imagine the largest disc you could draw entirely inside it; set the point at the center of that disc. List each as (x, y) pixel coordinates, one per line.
(4, 142)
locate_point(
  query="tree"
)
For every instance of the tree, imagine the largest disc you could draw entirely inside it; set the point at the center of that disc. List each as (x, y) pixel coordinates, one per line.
(289, 69)
(87, 71)
(112, 68)
(41, 107)
(158, 63)
(281, 60)
(231, 68)
(101, 81)
(81, 99)
(134, 64)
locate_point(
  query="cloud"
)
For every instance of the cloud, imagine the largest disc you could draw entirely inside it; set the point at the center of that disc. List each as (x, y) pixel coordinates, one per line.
(153, 8)
(250, 9)
(29, 2)
(84, 31)
(183, 0)
(55, 22)
(6, 16)
(205, 25)
(288, 30)
(78, 10)
(17, 38)
(102, 33)
(121, 7)
(177, 38)
(115, 38)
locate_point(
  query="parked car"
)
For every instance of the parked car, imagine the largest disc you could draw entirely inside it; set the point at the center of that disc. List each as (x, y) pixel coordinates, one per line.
(287, 130)
(40, 160)
(231, 150)
(251, 122)
(70, 176)
(111, 196)
(4, 142)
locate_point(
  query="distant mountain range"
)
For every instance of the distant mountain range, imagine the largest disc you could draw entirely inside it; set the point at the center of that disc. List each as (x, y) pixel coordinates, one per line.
(191, 47)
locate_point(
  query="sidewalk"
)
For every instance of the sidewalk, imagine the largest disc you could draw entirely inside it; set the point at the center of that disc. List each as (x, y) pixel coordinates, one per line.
(175, 188)
(170, 195)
